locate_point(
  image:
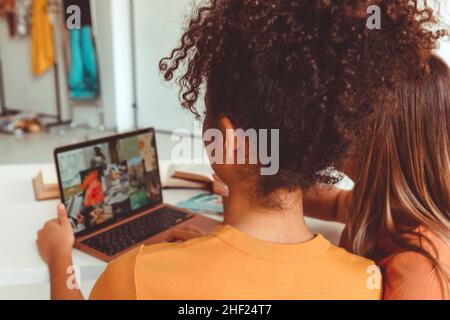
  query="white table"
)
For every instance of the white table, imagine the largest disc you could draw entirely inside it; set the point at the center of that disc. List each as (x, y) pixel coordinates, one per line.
(21, 217)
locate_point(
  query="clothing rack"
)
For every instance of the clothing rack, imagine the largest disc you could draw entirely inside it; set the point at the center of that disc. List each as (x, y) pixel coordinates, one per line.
(3, 109)
(57, 119)
(54, 8)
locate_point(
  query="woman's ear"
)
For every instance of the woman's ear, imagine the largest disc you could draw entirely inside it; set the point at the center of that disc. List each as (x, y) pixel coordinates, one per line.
(230, 140)
(225, 124)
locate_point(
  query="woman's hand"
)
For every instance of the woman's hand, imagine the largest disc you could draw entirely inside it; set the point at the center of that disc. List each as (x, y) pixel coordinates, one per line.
(55, 242)
(56, 238)
(327, 203)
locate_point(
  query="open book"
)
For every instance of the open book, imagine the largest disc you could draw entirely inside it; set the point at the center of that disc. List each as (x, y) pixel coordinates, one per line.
(196, 172)
(186, 176)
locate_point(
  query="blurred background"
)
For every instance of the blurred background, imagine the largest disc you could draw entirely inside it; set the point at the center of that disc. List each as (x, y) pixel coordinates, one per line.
(72, 70)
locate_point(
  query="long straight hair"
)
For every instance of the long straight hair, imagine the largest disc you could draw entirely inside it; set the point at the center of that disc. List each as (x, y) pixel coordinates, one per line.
(404, 178)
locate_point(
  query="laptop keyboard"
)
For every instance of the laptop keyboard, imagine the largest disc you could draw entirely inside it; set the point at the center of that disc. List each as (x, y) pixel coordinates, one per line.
(127, 235)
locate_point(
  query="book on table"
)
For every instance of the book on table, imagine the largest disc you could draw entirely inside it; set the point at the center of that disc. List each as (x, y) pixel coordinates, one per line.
(45, 184)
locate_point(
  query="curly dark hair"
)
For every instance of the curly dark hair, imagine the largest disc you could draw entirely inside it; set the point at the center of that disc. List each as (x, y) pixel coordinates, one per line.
(312, 69)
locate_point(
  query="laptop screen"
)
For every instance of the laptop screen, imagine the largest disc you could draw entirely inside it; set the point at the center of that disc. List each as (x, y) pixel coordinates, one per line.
(106, 180)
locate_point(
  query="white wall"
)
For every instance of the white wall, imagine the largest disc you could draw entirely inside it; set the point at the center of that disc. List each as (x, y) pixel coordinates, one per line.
(158, 28)
(444, 51)
(123, 63)
(113, 30)
(444, 48)
(444, 13)
(23, 90)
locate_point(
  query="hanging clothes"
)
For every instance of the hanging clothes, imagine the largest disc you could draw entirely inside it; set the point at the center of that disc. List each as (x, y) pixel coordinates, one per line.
(42, 50)
(83, 75)
(23, 15)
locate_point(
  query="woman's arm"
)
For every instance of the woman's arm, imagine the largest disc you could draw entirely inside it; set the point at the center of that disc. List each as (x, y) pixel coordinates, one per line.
(327, 203)
(63, 282)
(55, 242)
(411, 276)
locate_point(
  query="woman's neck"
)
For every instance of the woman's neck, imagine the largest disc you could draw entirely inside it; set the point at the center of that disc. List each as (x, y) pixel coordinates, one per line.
(285, 225)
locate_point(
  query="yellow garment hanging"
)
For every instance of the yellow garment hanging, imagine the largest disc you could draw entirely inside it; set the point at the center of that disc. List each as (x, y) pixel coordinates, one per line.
(42, 51)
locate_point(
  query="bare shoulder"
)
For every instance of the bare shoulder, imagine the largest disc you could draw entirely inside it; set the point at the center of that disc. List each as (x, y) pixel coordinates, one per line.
(408, 261)
(409, 276)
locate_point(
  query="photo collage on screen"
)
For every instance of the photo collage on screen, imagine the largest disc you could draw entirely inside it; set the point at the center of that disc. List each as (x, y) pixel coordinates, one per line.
(108, 181)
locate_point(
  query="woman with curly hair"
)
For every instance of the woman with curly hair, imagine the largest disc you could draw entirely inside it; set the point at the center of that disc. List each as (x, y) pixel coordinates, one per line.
(311, 70)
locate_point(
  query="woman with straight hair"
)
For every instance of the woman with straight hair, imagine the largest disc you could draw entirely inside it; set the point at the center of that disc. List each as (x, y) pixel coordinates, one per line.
(399, 211)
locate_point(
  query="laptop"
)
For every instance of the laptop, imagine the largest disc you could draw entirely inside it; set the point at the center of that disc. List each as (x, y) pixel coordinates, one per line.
(112, 191)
